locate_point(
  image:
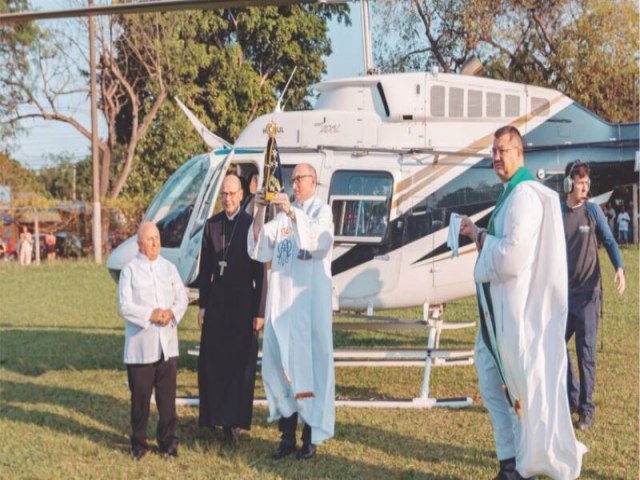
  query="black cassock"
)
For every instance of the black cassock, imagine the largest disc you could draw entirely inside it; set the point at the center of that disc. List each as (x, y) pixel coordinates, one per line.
(228, 344)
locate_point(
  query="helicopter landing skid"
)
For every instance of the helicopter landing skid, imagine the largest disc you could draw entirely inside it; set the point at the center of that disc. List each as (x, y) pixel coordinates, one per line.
(432, 356)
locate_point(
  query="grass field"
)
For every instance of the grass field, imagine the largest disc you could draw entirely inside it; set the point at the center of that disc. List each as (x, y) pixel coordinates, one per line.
(64, 403)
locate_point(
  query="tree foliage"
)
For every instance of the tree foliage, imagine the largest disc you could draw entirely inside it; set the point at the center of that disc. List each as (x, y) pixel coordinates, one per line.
(244, 59)
(65, 178)
(22, 181)
(16, 43)
(227, 65)
(587, 49)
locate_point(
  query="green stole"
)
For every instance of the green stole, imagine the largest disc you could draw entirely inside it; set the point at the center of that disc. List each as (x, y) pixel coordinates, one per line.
(521, 175)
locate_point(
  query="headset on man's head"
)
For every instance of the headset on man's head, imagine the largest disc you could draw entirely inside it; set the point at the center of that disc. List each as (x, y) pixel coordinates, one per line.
(567, 183)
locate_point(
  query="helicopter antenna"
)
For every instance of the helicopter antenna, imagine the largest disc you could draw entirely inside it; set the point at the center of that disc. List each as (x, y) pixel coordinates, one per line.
(369, 69)
(278, 108)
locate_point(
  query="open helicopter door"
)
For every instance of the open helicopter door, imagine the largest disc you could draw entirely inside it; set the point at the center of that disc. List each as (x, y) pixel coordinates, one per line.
(189, 255)
(180, 209)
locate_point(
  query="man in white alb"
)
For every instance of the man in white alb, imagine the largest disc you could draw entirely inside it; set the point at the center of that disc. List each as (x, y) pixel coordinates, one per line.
(297, 360)
(521, 277)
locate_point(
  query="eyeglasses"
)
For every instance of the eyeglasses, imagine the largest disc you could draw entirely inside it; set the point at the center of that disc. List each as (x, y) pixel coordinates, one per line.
(298, 178)
(229, 194)
(501, 151)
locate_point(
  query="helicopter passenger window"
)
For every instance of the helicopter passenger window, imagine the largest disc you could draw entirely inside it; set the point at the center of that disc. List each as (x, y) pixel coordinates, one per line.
(512, 105)
(494, 105)
(437, 101)
(456, 102)
(360, 202)
(474, 103)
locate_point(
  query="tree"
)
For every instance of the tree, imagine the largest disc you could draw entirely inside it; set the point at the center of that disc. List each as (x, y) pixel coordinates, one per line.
(134, 52)
(221, 62)
(587, 49)
(66, 179)
(22, 181)
(248, 55)
(16, 42)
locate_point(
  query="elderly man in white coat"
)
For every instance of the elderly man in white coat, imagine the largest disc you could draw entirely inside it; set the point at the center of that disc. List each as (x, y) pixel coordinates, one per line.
(297, 361)
(521, 276)
(152, 301)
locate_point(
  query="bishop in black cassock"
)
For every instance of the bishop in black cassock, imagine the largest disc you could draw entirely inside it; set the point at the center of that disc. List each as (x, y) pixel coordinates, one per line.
(230, 301)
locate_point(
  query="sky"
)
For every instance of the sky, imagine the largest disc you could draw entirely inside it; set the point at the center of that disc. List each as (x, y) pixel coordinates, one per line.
(42, 139)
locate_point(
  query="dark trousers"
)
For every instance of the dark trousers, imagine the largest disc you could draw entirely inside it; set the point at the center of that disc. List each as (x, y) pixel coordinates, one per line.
(143, 378)
(584, 310)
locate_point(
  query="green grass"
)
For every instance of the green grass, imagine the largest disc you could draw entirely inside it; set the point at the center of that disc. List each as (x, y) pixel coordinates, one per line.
(64, 403)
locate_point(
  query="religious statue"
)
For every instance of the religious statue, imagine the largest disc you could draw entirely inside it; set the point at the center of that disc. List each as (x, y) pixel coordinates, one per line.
(272, 170)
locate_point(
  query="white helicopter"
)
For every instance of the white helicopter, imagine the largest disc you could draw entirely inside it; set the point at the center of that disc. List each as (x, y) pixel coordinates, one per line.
(396, 154)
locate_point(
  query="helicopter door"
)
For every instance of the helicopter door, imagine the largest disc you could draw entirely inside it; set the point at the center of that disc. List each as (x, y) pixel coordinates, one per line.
(176, 208)
(361, 201)
(189, 256)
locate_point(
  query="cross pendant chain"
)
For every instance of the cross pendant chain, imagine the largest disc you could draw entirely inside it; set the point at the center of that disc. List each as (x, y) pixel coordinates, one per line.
(225, 248)
(222, 264)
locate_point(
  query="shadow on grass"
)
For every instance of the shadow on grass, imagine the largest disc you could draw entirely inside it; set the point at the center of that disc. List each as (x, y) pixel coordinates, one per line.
(101, 409)
(36, 351)
(256, 452)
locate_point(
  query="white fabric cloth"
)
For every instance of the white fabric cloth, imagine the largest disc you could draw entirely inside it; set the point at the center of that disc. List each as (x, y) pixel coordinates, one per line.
(297, 356)
(454, 234)
(525, 264)
(144, 286)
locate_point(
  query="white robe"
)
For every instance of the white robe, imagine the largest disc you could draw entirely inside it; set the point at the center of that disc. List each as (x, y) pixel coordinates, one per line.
(297, 358)
(525, 264)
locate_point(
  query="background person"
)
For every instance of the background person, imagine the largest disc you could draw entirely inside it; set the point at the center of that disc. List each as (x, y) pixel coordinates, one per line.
(584, 224)
(50, 246)
(623, 221)
(297, 360)
(152, 300)
(230, 290)
(520, 354)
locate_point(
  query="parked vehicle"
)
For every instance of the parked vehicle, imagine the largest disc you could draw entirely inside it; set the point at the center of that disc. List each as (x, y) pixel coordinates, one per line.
(67, 246)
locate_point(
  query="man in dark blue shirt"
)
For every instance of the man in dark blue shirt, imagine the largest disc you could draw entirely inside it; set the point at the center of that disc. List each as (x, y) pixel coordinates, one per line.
(584, 224)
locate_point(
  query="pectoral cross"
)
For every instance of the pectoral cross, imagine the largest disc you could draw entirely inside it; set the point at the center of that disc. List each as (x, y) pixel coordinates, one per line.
(222, 264)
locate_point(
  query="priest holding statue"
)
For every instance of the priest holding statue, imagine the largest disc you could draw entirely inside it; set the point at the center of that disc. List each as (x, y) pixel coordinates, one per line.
(297, 362)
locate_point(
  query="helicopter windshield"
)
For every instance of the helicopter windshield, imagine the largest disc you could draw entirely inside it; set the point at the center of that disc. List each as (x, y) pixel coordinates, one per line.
(171, 209)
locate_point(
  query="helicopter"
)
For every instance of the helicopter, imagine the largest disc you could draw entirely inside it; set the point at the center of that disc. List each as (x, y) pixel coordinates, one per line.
(396, 154)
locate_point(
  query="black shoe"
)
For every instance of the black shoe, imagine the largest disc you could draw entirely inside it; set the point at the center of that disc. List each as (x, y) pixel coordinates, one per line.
(137, 453)
(585, 422)
(169, 452)
(284, 449)
(307, 451)
(508, 470)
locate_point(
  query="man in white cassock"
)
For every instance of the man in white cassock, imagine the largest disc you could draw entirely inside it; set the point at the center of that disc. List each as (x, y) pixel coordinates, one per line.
(521, 277)
(297, 358)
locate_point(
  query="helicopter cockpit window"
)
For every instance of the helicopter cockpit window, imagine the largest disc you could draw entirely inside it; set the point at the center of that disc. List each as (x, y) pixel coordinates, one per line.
(172, 207)
(360, 202)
